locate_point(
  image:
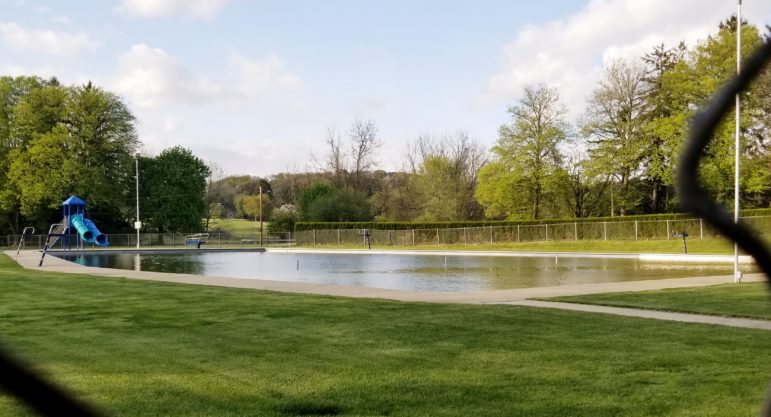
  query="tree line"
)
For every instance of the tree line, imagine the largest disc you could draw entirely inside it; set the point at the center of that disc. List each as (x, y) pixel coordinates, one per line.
(619, 158)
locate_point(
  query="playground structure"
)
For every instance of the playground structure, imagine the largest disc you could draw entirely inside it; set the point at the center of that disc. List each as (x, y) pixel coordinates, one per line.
(73, 211)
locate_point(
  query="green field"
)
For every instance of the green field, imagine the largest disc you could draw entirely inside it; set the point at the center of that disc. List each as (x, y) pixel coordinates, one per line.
(236, 227)
(146, 349)
(751, 300)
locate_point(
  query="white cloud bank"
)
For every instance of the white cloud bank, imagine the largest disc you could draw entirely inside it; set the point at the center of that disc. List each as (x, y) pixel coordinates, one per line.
(47, 42)
(150, 77)
(191, 9)
(569, 53)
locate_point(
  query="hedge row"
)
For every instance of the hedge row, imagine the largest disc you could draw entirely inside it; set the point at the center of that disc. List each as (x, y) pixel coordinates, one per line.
(302, 226)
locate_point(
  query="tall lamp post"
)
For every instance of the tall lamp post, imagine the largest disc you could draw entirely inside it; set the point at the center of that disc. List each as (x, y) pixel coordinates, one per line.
(737, 145)
(260, 215)
(137, 223)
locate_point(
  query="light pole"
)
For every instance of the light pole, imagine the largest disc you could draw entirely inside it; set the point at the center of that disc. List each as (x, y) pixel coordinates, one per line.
(137, 223)
(261, 215)
(737, 145)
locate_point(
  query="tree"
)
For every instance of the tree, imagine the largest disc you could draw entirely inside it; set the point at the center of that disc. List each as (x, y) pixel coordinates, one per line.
(69, 140)
(254, 206)
(364, 143)
(216, 192)
(691, 83)
(615, 127)
(660, 150)
(351, 170)
(172, 188)
(339, 205)
(444, 177)
(310, 194)
(528, 158)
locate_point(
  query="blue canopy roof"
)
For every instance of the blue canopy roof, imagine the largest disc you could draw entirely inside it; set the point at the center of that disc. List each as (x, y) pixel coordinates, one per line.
(73, 201)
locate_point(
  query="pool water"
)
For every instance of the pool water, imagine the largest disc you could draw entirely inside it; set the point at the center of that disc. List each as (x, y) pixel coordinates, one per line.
(405, 272)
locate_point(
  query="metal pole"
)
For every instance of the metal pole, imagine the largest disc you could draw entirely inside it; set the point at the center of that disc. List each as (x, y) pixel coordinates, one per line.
(261, 215)
(138, 224)
(737, 148)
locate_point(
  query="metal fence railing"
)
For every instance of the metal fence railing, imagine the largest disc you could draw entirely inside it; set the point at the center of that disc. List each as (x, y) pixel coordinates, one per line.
(610, 230)
(147, 240)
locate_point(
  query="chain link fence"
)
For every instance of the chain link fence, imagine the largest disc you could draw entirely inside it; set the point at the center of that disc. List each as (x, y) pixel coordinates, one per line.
(616, 230)
(170, 240)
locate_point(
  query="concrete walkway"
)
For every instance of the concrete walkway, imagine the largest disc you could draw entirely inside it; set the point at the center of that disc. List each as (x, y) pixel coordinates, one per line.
(519, 296)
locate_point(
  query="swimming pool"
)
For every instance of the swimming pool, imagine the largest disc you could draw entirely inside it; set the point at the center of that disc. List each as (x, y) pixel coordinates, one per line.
(413, 272)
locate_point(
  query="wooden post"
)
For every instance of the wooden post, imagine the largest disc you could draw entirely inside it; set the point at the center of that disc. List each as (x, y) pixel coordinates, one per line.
(491, 234)
(575, 230)
(635, 230)
(701, 229)
(338, 237)
(547, 231)
(314, 237)
(438, 242)
(517, 233)
(413, 237)
(605, 230)
(668, 229)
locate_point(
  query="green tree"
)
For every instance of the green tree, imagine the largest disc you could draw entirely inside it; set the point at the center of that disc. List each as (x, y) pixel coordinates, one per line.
(172, 188)
(69, 140)
(517, 182)
(310, 194)
(691, 83)
(339, 206)
(249, 206)
(615, 127)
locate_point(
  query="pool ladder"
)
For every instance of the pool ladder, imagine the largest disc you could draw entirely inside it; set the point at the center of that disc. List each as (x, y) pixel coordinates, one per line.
(56, 231)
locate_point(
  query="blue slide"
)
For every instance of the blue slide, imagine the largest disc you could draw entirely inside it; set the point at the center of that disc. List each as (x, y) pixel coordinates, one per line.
(87, 230)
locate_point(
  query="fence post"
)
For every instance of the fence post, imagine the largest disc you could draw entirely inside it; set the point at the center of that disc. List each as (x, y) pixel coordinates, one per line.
(438, 242)
(219, 239)
(491, 234)
(517, 233)
(314, 237)
(413, 237)
(465, 242)
(635, 230)
(575, 230)
(389, 238)
(547, 231)
(667, 229)
(701, 229)
(605, 230)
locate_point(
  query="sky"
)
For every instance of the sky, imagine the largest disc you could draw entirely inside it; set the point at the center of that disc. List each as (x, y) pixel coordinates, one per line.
(254, 86)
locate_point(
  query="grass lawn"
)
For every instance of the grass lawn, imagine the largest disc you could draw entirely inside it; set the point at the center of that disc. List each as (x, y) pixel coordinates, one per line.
(751, 300)
(159, 349)
(236, 227)
(706, 246)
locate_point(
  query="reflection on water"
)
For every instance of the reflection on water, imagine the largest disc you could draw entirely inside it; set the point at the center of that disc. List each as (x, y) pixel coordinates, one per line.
(406, 272)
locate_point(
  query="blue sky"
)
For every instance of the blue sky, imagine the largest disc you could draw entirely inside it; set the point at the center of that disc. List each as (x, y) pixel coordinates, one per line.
(254, 85)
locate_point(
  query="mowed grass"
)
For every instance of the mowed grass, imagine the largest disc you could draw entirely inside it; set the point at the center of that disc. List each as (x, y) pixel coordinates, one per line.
(139, 348)
(752, 300)
(236, 227)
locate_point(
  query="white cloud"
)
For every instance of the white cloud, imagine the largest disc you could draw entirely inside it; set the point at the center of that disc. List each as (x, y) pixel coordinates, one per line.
(569, 53)
(151, 77)
(192, 9)
(48, 42)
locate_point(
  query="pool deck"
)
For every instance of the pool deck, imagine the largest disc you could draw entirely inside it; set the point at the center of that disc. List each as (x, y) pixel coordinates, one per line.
(520, 297)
